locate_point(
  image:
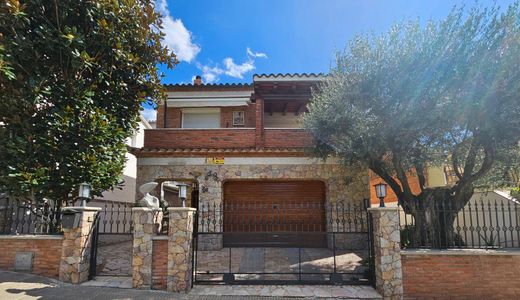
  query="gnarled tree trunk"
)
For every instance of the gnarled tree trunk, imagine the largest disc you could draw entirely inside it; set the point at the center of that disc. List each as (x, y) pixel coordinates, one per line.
(434, 212)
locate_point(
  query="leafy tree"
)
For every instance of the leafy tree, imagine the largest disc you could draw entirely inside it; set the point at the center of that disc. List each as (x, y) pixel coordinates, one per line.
(73, 76)
(443, 93)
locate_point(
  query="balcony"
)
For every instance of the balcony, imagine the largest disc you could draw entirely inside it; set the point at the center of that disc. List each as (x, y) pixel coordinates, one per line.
(226, 138)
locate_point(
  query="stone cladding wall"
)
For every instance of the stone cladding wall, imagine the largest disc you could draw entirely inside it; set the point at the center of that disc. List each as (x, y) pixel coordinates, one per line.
(387, 252)
(76, 247)
(146, 225)
(180, 243)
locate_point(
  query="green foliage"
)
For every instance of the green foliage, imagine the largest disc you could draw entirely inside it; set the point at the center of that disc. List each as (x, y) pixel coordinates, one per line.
(444, 93)
(73, 76)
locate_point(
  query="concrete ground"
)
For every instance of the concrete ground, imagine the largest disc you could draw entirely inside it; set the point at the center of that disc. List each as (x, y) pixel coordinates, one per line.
(14, 285)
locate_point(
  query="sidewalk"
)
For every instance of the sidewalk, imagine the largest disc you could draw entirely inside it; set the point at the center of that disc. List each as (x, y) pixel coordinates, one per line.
(14, 285)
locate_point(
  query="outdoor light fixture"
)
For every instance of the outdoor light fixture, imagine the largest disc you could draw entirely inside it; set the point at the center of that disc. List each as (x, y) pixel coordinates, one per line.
(182, 192)
(381, 193)
(84, 193)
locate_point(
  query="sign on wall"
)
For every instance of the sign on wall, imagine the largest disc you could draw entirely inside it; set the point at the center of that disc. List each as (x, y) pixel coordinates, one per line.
(215, 160)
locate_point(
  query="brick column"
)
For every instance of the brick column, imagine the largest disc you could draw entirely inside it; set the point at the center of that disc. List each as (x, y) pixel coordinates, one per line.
(75, 251)
(259, 127)
(387, 252)
(180, 247)
(146, 222)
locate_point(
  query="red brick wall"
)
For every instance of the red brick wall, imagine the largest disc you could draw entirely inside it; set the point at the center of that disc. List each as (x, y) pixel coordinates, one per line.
(476, 276)
(47, 253)
(199, 138)
(173, 117)
(275, 138)
(226, 116)
(160, 264)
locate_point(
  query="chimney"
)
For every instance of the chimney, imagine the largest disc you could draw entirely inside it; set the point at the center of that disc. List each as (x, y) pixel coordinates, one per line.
(198, 80)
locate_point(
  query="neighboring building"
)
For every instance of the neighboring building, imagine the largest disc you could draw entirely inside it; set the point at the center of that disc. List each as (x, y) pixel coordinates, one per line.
(241, 146)
(435, 177)
(127, 191)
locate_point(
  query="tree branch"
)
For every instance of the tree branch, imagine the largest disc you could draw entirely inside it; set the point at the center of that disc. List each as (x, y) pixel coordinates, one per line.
(376, 165)
(401, 175)
(419, 168)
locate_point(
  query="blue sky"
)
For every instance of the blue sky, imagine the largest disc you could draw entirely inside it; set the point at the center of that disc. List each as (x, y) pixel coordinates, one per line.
(294, 35)
(227, 41)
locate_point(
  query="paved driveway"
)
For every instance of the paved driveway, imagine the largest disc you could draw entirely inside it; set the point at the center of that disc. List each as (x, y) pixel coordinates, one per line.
(15, 285)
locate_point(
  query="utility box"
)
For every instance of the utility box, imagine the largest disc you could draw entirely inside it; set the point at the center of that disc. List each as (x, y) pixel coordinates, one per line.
(70, 219)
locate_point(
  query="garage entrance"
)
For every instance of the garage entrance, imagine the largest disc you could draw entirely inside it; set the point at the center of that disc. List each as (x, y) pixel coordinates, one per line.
(274, 214)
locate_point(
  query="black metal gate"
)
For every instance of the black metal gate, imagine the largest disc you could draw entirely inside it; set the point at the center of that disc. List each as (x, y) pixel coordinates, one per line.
(111, 251)
(344, 258)
(92, 272)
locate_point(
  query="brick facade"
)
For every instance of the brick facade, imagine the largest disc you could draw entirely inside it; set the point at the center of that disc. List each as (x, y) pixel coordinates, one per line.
(226, 116)
(47, 253)
(470, 274)
(298, 138)
(174, 116)
(200, 138)
(160, 264)
(226, 138)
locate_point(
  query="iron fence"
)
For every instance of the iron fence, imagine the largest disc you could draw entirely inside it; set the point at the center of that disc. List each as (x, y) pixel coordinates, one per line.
(115, 217)
(480, 224)
(283, 243)
(27, 217)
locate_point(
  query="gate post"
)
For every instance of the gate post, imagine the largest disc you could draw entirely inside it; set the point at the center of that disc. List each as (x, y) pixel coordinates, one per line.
(77, 244)
(387, 251)
(146, 222)
(180, 249)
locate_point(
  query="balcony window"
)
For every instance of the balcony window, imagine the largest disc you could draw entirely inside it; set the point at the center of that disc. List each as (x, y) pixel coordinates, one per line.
(201, 118)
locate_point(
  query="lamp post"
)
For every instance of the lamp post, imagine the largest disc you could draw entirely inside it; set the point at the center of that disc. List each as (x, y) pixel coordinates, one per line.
(182, 192)
(84, 193)
(381, 193)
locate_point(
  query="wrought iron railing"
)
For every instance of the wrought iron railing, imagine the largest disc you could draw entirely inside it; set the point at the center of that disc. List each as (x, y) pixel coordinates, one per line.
(481, 224)
(283, 242)
(302, 217)
(27, 217)
(115, 217)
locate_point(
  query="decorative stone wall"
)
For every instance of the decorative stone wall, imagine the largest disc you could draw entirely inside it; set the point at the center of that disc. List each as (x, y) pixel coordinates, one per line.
(180, 243)
(387, 252)
(342, 184)
(146, 223)
(76, 247)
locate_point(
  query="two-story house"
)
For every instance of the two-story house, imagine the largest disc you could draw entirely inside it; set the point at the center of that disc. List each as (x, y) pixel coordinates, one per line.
(241, 150)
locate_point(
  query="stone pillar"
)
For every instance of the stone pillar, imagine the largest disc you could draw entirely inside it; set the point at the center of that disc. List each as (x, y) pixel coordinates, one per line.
(387, 252)
(146, 222)
(180, 248)
(75, 251)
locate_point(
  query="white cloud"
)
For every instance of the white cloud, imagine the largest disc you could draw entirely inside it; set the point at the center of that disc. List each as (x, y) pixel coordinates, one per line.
(238, 71)
(149, 114)
(255, 54)
(212, 74)
(177, 38)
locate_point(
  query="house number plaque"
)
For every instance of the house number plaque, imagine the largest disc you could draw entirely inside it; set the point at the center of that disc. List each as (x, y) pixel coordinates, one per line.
(215, 160)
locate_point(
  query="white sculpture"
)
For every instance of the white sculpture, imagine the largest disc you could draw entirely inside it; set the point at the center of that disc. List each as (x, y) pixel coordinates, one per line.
(148, 200)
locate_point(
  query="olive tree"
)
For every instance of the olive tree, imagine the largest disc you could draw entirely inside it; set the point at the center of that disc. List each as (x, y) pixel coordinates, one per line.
(73, 77)
(442, 93)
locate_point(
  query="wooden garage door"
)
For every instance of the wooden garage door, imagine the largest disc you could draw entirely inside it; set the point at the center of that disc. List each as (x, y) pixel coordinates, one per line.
(274, 213)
